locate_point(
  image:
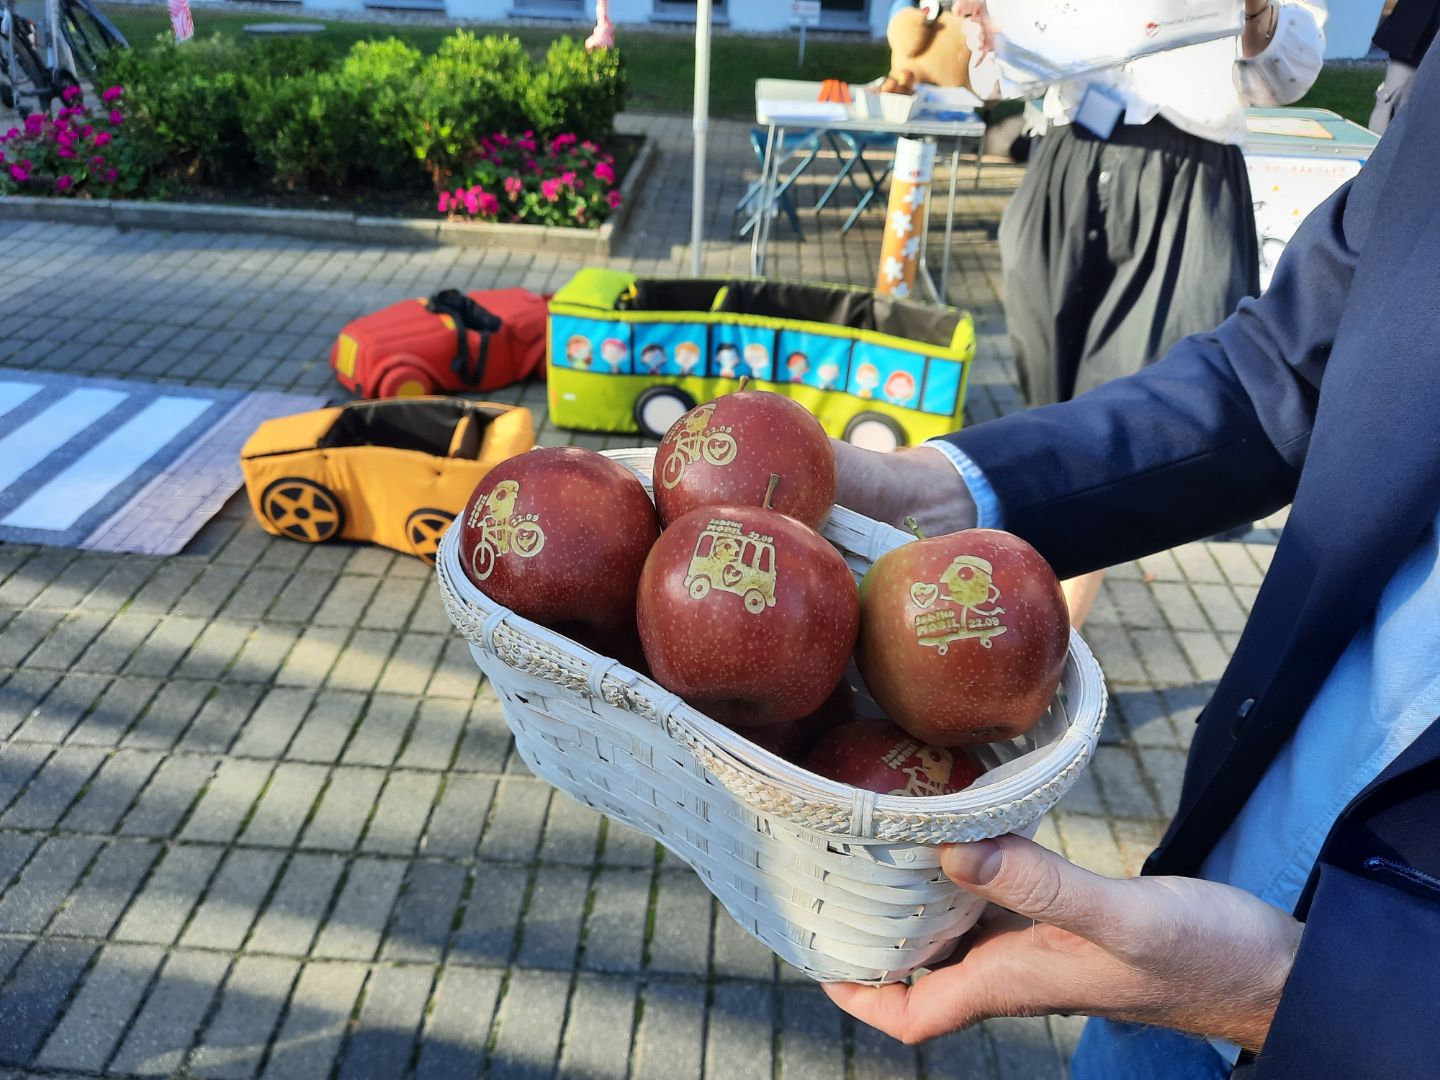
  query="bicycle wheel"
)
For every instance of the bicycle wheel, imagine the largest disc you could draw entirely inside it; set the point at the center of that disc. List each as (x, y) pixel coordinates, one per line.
(27, 82)
(90, 36)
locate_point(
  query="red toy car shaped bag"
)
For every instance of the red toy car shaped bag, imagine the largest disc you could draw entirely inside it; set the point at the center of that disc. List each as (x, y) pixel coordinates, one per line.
(452, 341)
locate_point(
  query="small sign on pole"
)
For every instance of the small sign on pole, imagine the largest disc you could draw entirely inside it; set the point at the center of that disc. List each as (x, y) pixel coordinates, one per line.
(804, 14)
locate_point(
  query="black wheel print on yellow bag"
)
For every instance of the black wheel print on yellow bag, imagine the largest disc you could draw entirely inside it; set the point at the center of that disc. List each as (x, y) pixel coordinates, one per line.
(424, 528)
(303, 510)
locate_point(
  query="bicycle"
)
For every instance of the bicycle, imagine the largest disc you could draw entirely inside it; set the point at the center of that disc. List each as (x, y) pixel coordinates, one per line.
(77, 37)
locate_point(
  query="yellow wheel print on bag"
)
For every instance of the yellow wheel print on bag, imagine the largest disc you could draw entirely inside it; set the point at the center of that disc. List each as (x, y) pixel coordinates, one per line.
(303, 510)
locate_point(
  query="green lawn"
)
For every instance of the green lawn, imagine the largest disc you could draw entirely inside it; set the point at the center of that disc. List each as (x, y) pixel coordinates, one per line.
(662, 65)
(1347, 90)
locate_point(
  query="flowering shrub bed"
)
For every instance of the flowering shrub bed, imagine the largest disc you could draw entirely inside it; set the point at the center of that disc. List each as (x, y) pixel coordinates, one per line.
(568, 181)
(382, 120)
(298, 122)
(77, 153)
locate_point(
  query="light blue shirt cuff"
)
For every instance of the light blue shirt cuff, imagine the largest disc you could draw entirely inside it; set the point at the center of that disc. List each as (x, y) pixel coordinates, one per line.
(1227, 1050)
(987, 503)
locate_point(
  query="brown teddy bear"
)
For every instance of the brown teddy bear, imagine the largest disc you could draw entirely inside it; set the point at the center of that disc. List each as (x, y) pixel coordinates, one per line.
(926, 51)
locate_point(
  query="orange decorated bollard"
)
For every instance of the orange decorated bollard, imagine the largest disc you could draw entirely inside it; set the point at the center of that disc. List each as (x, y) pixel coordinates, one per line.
(905, 216)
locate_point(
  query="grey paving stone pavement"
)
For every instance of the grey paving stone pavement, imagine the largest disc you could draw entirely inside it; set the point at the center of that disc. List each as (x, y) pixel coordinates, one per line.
(259, 813)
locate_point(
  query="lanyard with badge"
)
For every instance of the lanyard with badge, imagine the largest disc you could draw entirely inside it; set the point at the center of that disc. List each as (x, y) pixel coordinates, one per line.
(1100, 110)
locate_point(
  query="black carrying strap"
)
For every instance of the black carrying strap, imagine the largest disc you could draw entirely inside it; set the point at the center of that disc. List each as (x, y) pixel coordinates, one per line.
(468, 315)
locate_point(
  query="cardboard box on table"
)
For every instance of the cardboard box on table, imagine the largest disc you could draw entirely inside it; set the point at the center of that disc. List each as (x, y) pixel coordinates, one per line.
(1296, 159)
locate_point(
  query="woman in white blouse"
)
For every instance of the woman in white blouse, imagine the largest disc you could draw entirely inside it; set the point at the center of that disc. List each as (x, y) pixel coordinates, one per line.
(1122, 240)
(1118, 244)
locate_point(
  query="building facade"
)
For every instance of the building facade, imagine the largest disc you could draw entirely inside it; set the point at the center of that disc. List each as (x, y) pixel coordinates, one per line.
(1348, 30)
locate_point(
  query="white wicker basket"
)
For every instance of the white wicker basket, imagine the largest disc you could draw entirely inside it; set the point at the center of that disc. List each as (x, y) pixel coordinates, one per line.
(842, 883)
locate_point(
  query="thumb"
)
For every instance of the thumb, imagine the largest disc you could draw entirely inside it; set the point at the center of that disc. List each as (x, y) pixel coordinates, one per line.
(1023, 877)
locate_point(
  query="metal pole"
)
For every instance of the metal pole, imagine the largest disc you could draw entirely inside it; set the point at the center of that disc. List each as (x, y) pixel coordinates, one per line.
(950, 222)
(701, 128)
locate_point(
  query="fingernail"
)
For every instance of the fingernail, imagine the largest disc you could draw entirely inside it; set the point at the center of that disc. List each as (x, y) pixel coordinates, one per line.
(972, 864)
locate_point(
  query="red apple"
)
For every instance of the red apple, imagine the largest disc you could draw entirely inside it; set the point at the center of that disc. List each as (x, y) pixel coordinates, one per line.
(747, 614)
(723, 453)
(880, 756)
(792, 740)
(559, 536)
(963, 637)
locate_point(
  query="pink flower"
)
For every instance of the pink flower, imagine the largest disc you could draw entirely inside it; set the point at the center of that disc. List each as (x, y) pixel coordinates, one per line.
(64, 183)
(69, 94)
(604, 173)
(117, 117)
(501, 140)
(111, 94)
(489, 204)
(472, 201)
(550, 189)
(613, 198)
(568, 178)
(444, 205)
(19, 173)
(13, 133)
(513, 186)
(34, 123)
(65, 150)
(590, 146)
(102, 138)
(562, 141)
(96, 162)
(111, 176)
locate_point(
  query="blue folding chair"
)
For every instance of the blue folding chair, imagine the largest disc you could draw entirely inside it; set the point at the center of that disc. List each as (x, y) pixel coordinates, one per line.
(855, 144)
(804, 145)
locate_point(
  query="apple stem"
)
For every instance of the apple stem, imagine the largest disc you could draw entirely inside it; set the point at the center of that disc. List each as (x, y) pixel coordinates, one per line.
(744, 382)
(770, 491)
(914, 527)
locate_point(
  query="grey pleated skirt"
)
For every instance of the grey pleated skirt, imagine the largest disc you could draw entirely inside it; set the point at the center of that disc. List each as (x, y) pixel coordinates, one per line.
(1115, 250)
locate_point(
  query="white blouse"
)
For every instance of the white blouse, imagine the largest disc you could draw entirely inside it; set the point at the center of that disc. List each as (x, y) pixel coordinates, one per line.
(1202, 89)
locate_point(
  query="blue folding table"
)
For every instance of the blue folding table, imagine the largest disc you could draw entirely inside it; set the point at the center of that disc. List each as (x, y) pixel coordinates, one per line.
(784, 105)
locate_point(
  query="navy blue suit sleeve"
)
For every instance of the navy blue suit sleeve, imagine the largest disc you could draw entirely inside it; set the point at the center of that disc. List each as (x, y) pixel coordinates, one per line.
(1212, 435)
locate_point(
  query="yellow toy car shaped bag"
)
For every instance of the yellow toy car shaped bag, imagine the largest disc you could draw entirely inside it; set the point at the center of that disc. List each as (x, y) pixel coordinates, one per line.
(393, 472)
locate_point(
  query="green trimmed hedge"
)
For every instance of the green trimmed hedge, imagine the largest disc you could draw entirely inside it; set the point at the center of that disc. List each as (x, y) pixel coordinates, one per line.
(293, 114)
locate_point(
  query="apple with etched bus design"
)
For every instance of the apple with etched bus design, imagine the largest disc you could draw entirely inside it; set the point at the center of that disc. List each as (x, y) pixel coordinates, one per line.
(963, 637)
(725, 451)
(747, 614)
(559, 535)
(882, 757)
